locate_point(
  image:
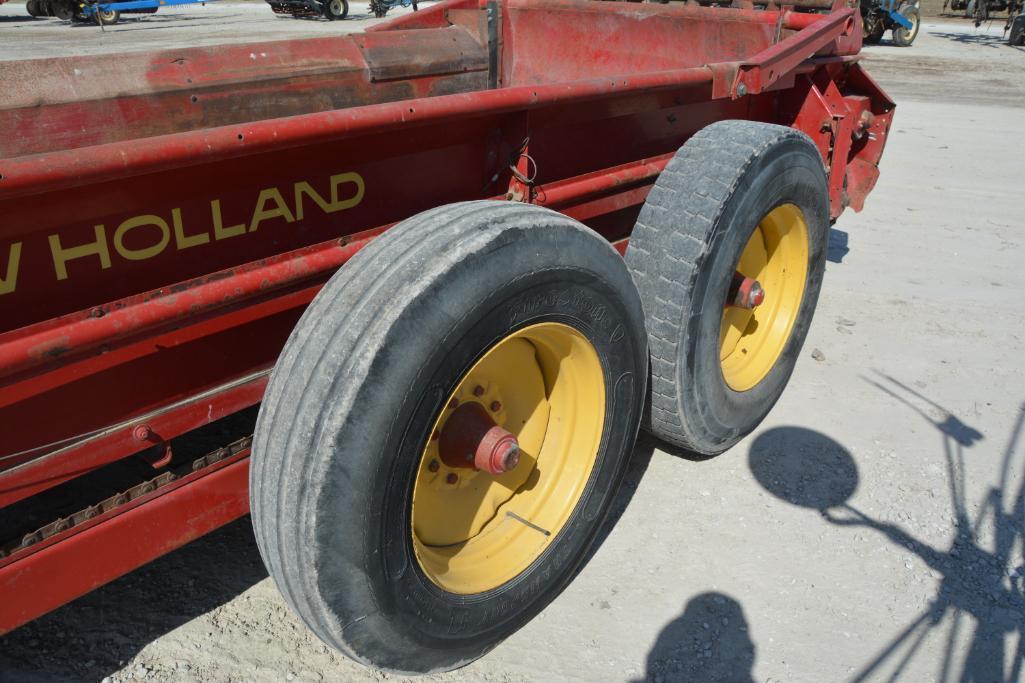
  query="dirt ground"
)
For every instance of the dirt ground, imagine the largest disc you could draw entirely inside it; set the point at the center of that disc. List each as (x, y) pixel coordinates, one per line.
(870, 530)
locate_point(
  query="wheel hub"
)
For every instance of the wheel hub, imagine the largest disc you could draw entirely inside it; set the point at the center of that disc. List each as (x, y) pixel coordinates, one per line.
(508, 458)
(470, 438)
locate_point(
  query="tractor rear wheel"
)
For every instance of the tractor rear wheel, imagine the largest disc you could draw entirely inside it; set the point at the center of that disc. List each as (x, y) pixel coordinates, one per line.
(903, 37)
(63, 9)
(873, 30)
(445, 430)
(336, 9)
(728, 255)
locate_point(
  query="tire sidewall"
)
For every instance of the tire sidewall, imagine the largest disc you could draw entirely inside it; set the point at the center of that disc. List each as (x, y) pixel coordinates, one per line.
(425, 627)
(793, 176)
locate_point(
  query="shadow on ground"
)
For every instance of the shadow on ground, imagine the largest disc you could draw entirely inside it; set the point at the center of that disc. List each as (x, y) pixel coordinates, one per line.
(93, 636)
(708, 642)
(980, 579)
(981, 39)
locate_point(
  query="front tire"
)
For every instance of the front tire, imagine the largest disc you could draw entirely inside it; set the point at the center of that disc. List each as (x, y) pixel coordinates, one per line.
(903, 37)
(744, 199)
(388, 549)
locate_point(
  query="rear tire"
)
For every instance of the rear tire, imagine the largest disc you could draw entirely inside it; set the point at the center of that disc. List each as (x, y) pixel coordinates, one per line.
(336, 9)
(733, 185)
(364, 381)
(1017, 36)
(873, 31)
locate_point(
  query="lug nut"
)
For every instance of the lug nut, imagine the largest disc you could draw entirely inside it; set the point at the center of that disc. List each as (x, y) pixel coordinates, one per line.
(453, 403)
(495, 406)
(478, 391)
(142, 433)
(433, 466)
(452, 478)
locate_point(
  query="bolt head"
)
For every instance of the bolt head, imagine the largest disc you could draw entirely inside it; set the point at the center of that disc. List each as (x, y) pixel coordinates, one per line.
(433, 466)
(495, 406)
(478, 391)
(453, 403)
(452, 478)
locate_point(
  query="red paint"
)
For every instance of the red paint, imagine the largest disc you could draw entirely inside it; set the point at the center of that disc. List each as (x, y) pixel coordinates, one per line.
(471, 439)
(89, 557)
(160, 253)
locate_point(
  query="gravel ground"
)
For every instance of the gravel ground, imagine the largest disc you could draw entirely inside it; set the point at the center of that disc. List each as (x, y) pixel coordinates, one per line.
(872, 528)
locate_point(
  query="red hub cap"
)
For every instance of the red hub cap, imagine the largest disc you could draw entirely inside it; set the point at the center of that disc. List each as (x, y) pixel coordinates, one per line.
(745, 292)
(470, 438)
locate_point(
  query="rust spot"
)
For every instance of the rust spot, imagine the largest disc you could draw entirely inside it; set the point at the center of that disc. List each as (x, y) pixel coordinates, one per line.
(55, 348)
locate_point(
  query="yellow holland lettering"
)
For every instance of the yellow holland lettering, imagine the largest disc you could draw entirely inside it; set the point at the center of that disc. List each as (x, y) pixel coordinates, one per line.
(145, 252)
(221, 232)
(303, 188)
(340, 204)
(262, 213)
(61, 256)
(10, 279)
(181, 240)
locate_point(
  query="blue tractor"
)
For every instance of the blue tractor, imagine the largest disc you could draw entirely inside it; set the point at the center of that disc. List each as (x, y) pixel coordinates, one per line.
(899, 16)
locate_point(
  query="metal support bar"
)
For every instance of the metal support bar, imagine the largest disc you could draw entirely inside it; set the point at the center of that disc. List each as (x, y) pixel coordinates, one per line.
(769, 65)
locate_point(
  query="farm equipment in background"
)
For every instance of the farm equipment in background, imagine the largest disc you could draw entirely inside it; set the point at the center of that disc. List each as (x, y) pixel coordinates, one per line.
(1015, 27)
(900, 17)
(403, 247)
(98, 11)
(381, 7)
(331, 10)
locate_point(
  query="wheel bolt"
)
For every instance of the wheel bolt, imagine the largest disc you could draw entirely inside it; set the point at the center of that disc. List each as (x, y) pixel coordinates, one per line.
(433, 466)
(453, 403)
(495, 406)
(478, 391)
(452, 478)
(142, 433)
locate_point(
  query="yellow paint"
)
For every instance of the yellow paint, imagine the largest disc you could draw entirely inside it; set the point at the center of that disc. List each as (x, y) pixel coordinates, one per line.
(221, 232)
(751, 341)
(145, 252)
(62, 255)
(9, 281)
(471, 536)
(270, 204)
(262, 213)
(181, 240)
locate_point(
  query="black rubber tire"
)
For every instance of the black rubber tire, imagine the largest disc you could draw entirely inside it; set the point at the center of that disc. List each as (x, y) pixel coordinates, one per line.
(873, 33)
(354, 396)
(63, 9)
(1017, 35)
(682, 253)
(333, 13)
(903, 37)
(33, 8)
(109, 18)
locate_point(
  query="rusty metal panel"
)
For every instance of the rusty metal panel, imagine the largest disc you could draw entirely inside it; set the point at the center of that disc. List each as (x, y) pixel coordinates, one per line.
(394, 55)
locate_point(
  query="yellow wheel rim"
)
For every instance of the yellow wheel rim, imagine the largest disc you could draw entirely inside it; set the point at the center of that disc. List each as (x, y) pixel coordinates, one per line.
(473, 531)
(776, 255)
